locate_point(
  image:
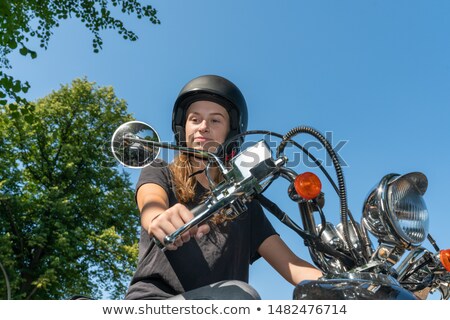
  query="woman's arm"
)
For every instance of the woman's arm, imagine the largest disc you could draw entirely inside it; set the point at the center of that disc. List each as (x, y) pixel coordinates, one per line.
(288, 265)
(152, 200)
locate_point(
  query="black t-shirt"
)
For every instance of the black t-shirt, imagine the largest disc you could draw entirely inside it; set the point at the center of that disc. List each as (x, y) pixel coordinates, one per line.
(225, 253)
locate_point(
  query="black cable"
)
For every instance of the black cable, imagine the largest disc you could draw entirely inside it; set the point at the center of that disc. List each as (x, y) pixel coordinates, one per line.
(296, 144)
(323, 220)
(433, 243)
(310, 240)
(411, 272)
(340, 177)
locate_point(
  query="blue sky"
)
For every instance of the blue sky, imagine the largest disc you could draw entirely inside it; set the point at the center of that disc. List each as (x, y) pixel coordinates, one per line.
(375, 74)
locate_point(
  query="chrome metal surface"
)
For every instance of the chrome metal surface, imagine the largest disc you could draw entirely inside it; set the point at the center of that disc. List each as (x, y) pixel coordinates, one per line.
(377, 216)
(132, 144)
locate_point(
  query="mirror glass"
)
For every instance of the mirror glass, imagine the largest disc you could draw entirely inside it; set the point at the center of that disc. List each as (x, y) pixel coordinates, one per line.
(132, 144)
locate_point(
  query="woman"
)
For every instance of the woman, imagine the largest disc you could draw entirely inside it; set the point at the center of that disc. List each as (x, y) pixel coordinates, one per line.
(211, 261)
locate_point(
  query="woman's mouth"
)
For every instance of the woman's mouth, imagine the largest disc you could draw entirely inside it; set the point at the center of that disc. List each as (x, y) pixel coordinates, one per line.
(205, 144)
(201, 139)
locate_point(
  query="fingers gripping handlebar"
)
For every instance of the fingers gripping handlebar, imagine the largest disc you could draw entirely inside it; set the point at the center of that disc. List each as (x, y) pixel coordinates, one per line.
(201, 213)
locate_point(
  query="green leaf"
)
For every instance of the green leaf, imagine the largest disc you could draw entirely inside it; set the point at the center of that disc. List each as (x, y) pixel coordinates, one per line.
(17, 87)
(12, 44)
(24, 110)
(29, 118)
(23, 51)
(15, 115)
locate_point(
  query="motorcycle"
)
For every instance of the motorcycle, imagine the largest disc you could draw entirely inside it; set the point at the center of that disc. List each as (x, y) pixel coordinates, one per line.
(395, 213)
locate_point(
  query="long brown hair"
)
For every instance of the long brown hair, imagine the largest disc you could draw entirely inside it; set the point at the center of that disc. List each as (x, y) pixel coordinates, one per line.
(185, 184)
(182, 170)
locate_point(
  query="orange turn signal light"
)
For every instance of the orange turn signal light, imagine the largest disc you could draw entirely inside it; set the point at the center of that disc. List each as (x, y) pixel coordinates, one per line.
(444, 255)
(308, 185)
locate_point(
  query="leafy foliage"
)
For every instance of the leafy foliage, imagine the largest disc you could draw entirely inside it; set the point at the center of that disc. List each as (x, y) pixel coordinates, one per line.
(68, 221)
(22, 21)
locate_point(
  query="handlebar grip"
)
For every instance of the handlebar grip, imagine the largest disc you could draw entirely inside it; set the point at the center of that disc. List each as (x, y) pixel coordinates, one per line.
(196, 211)
(200, 208)
(201, 213)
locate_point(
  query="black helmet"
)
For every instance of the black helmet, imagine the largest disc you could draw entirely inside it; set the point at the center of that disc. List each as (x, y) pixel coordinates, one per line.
(210, 88)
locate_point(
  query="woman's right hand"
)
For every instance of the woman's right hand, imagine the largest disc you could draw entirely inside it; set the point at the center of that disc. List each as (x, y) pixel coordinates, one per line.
(171, 220)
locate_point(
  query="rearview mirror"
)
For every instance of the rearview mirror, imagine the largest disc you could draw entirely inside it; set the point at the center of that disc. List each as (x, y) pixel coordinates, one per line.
(132, 144)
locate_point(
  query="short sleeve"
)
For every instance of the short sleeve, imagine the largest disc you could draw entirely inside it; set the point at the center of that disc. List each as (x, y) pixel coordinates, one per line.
(157, 172)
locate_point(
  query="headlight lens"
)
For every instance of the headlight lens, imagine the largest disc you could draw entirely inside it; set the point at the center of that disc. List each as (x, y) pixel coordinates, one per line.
(407, 208)
(395, 210)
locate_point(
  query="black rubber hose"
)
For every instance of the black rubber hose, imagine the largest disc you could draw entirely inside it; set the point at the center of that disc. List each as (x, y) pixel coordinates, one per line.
(340, 177)
(310, 239)
(296, 144)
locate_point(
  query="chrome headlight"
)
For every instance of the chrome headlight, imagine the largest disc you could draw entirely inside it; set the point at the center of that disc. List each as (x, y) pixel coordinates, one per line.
(395, 210)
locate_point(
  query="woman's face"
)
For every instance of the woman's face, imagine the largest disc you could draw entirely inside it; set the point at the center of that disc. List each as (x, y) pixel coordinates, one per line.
(207, 125)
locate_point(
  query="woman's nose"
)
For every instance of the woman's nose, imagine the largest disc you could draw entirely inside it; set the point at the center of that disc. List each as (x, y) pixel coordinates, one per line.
(203, 126)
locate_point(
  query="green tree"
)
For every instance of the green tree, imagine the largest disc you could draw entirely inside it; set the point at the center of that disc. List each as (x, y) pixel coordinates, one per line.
(33, 21)
(68, 221)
